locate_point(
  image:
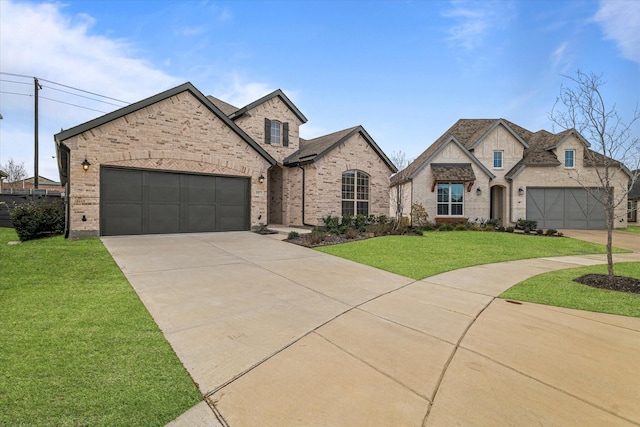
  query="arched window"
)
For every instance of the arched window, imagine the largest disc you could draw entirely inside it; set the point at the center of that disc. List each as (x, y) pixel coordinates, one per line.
(355, 193)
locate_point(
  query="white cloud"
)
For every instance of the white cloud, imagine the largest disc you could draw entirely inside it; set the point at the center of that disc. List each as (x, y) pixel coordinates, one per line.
(474, 20)
(620, 21)
(40, 39)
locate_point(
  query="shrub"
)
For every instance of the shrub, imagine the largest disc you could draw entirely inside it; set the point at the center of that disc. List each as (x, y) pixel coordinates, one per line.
(475, 227)
(331, 224)
(509, 229)
(38, 219)
(525, 224)
(383, 219)
(316, 237)
(446, 227)
(501, 228)
(351, 233)
(460, 227)
(539, 232)
(293, 235)
(551, 232)
(419, 215)
(360, 222)
(489, 227)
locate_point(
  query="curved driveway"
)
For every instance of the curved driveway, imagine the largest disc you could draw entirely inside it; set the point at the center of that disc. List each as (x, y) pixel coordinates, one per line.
(279, 335)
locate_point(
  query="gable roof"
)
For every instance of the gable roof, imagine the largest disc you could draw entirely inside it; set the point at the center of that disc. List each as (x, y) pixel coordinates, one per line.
(277, 93)
(314, 149)
(185, 87)
(464, 133)
(3, 174)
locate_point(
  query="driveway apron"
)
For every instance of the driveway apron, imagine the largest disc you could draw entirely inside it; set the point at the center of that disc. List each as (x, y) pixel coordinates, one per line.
(279, 335)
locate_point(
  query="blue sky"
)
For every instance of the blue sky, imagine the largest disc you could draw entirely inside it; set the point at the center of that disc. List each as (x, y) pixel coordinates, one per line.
(405, 70)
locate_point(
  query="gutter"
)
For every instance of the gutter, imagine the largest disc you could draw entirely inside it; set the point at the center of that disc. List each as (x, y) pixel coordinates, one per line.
(303, 193)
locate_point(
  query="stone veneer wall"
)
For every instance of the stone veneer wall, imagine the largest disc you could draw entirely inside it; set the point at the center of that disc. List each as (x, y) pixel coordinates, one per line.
(176, 134)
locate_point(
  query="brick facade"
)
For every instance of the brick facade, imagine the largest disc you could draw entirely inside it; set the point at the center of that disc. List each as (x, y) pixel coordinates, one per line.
(182, 131)
(175, 134)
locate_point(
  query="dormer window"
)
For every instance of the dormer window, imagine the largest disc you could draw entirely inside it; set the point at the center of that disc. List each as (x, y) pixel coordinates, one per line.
(276, 133)
(569, 158)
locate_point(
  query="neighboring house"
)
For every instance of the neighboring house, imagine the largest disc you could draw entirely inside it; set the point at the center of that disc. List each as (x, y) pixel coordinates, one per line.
(483, 169)
(634, 197)
(3, 176)
(183, 162)
(24, 185)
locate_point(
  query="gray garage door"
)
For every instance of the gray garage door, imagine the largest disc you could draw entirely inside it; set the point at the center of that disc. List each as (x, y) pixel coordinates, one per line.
(134, 201)
(565, 208)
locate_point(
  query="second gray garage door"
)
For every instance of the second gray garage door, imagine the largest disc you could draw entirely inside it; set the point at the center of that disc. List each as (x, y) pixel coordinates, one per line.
(573, 208)
(135, 201)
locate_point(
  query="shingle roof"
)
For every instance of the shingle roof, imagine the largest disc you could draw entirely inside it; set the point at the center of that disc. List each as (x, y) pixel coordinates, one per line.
(469, 132)
(225, 107)
(313, 149)
(276, 93)
(453, 172)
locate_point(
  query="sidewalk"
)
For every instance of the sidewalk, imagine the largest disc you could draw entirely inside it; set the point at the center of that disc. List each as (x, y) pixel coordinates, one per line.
(437, 352)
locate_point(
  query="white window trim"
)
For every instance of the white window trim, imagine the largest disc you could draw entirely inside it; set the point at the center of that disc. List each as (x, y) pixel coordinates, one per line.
(573, 158)
(493, 160)
(449, 203)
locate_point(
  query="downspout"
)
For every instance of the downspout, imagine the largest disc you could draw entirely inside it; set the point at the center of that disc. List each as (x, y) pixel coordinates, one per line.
(510, 201)
(303, 193)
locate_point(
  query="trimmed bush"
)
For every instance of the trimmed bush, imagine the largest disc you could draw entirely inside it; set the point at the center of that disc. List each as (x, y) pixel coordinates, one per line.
(38, 219)
(445, 227)
(293, 235)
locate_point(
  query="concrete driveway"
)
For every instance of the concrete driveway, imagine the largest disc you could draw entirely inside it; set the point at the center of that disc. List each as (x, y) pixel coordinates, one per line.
(279, 335)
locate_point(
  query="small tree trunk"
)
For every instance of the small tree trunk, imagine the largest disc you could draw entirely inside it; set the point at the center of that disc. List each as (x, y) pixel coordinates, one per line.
(610, 216)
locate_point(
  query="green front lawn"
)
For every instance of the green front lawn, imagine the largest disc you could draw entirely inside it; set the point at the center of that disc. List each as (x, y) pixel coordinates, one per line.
(558, 288)
(436, 252)
(632, 229)
(77, 347)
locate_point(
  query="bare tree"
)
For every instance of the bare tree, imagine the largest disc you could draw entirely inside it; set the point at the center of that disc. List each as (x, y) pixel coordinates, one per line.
(15, 171)
(399, 158)
(581, 106)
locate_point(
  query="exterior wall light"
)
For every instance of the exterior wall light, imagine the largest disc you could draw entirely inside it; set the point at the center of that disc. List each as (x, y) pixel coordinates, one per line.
(86, 164)
(478, 191)
(261, 179)
(520, 191)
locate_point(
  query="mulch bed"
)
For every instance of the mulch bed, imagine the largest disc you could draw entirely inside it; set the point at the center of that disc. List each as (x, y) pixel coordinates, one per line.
(601, 281)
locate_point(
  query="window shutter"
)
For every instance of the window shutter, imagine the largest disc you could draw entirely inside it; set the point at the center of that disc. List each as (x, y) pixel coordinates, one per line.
(267, 131)
(285, 134)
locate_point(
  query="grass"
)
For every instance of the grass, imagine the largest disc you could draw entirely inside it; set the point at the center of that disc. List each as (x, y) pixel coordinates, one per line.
(77, 347)
(632, 229)
(558, 288)
(436, 252)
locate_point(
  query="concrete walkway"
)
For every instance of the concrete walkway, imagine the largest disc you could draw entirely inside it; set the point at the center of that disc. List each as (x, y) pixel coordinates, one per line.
(279, 335)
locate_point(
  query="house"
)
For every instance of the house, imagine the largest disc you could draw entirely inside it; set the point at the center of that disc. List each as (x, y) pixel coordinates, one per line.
(483, 169)
(180, 161)
(634, 197)
(26, 185)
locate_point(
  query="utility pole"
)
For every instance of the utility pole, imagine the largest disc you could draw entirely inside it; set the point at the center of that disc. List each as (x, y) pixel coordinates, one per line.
(35, 135)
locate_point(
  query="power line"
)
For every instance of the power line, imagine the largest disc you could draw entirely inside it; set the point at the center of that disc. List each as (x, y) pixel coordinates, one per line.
(15, 93)
(63, 85)
(73, 105)
(82, 96)
(85, 91)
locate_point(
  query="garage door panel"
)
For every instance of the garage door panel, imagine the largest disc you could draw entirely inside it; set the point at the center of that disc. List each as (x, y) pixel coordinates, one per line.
(123, 218)
(231, 218)
(200, 218)
(231, 191)
(199, 189)
(136, 201)
(124, 185)
(163, 187)
(574, 208)
(162, 218)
